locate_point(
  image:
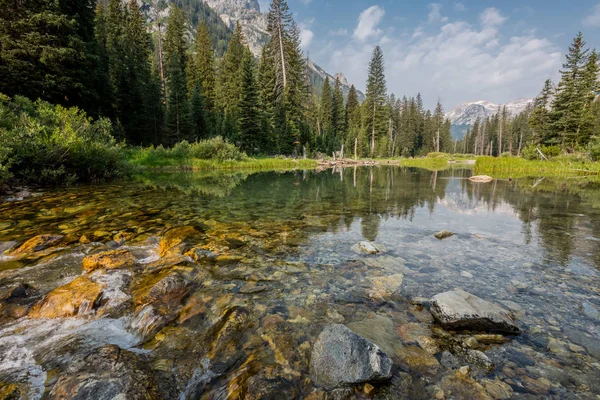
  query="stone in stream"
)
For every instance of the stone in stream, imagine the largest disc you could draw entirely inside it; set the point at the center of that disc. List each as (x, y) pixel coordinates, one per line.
(441, 235)
(77, 298)
(460, 310)
(114, 259)
(37, 243)
(109, 373)
(365, 247)
(481, 179)
(340, 358)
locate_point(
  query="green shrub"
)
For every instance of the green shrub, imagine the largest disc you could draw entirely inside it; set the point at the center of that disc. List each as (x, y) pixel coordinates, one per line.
(530, 152)
(506, 154)
(46, 144)
(436, 154)
(593, 148)
(551, 151)
(216, 149)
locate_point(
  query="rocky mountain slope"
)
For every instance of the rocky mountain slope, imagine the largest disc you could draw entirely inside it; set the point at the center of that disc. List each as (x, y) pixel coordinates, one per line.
(464, 115)
(254, 26)
(247, 14)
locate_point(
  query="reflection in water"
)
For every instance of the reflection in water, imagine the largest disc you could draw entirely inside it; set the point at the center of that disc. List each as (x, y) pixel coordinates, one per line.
(273, 264)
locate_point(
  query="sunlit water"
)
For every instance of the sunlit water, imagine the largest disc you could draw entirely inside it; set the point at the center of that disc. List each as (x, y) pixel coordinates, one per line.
(531, 245)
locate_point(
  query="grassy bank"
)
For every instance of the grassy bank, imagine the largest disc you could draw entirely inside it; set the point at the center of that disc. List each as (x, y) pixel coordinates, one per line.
(515, 167)
(212, 154)
(432, 162)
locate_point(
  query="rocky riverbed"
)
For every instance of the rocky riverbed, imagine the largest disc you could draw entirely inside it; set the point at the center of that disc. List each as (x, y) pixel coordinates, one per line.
(299, 285)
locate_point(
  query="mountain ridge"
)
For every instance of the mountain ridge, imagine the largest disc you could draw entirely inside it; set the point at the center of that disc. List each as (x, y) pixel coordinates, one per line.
(464, 115)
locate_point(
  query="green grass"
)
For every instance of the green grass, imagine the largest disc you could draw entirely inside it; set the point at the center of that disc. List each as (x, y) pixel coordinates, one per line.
(515, 167)
(143, 159)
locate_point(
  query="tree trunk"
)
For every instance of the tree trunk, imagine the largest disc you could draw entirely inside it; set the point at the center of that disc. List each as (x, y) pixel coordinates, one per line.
(160, 65)
(355, 149)
(283, 70)
(373, 130)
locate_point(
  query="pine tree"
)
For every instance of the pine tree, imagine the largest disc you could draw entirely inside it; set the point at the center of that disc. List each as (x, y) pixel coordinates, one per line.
(249, 121)
(176, 44)
(338, 120)
(539, 119)
(353, 119)
(325, 119)
(569, 103)
(375, 118)
(48, 51)
(201, 72)
(230, 84)
(279, 22)
(178, 119)
(198, 111)
(267, 99)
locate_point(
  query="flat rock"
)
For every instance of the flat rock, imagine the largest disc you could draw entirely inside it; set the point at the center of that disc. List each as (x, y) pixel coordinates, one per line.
(459, 310)
(443, 235)
(341, 358)
(77, 298)
(114, 259)
(481, 178)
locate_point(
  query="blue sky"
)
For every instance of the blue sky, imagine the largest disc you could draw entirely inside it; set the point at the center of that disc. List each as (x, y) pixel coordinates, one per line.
(455, 51)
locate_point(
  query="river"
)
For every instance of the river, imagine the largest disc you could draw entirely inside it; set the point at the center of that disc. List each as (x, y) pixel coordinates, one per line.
(270, 259)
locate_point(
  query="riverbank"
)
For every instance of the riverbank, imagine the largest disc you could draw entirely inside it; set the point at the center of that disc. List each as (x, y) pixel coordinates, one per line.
(515, 167)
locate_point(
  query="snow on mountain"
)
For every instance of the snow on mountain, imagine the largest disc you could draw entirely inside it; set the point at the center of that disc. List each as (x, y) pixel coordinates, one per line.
(465, 115)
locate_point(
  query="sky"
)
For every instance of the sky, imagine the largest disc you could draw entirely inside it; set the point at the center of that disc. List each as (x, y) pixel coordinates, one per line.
(451, 51)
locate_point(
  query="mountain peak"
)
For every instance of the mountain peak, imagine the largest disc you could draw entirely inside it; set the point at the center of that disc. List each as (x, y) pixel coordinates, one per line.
(342, 78)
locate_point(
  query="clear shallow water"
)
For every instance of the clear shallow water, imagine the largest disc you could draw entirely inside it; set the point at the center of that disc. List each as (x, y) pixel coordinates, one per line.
(531, 245)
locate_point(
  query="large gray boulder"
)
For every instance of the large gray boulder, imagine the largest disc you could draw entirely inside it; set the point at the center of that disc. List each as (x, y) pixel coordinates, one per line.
(340, 358)
(459, 310)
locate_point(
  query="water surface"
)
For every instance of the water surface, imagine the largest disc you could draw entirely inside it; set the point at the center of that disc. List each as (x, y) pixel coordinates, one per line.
(276, 265)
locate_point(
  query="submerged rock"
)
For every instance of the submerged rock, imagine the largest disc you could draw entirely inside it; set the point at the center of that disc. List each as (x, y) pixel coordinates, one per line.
(179, 240)
(37, 243)
(443, 234)
(108, 373)
(114, 259)
(458, 309)
(79, 297)
(340, 357)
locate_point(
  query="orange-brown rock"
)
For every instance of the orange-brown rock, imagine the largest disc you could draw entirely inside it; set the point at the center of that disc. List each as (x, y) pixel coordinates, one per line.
(37, 243)
(179, 240)
(114, 259)
(164, 286)
(79, 297)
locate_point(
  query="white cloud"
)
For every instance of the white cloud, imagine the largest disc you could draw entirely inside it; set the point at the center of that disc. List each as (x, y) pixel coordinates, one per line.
(306, 37)
(339, 32)
(368, 21)
(435, 13)
(306, 2)
(593, 19)
(457, 62)
(491, 17)
(458, 6)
